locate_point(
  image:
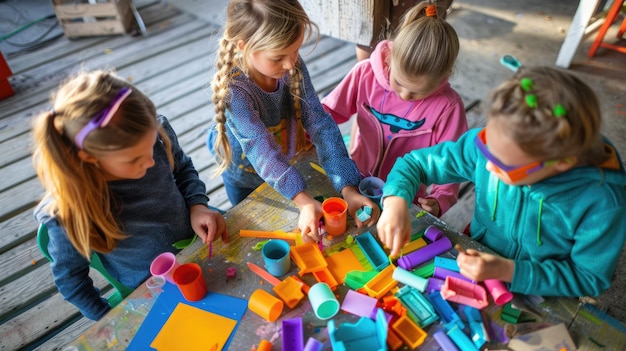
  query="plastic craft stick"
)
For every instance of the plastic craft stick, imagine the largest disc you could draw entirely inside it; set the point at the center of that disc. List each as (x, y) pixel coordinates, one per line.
(424, 254)
(317, 167)
(264, 274)
(278, 234)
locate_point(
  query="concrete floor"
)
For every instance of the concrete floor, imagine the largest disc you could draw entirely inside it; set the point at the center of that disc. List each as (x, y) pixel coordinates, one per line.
(533, 31)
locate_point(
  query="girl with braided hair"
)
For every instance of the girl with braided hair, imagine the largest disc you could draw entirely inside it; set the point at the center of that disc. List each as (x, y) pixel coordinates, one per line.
(266, 111)
(550, 189)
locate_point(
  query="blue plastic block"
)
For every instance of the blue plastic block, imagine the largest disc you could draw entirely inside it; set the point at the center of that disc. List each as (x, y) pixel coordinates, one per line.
(445, 311)
(372, 251)
(478, 334)
(418, 308)
(365, 334)
(447, 263)
(461, 340)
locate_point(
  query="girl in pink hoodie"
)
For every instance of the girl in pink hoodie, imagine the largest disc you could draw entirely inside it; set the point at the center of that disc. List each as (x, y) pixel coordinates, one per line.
(403, 100)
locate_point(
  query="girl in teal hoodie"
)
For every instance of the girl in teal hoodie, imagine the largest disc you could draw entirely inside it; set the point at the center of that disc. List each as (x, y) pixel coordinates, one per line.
(550, 190)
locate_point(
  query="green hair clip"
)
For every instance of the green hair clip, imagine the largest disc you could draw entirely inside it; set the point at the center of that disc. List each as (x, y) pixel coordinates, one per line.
(527, 85)
(559, 111)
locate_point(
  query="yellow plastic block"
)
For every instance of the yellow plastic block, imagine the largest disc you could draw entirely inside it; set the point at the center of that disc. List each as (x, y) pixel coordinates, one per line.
(341, 263)
(308, 258)
(413, 245)
(325, 276)
(409, 332)
(381, 283)
(289, 291)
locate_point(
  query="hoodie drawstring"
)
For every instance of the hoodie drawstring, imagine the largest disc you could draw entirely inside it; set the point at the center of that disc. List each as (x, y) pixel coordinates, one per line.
(495, 200)
(539, 243)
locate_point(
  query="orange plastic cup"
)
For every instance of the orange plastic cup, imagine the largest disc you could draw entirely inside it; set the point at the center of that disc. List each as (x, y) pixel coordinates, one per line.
(190, 281)
(335, 211)
(265, 305)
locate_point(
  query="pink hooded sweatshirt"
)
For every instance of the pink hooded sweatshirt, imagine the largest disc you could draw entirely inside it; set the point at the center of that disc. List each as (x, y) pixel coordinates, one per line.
(388, 127)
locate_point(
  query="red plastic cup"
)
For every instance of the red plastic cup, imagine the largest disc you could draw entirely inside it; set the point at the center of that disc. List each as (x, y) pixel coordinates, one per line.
(335, 211)
(190, 281)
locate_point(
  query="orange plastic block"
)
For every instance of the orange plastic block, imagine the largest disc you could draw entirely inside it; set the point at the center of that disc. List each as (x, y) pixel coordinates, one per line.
(342, 262)
(308, 258)
(409, 332)
(289, 291)
(393, 340)
(325, 276)
(413, 245)
(381, 283)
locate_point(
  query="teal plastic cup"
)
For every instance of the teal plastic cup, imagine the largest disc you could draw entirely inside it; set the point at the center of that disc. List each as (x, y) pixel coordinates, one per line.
(323, 301)
(276, 257)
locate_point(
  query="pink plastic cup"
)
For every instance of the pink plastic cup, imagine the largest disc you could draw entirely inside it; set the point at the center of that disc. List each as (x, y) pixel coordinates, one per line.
(335, 211)
(164, 265)
(190, 281)
(498, 291)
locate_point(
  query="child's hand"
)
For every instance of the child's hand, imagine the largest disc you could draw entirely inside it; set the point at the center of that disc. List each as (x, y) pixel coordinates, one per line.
(429, 205)
(208, 224)
(355, 201)
(394, 225)
(479, 266)
(310, 215)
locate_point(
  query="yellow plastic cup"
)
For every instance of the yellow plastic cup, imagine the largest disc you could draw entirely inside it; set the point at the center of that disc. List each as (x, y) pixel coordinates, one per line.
(335, 211)
(265, 305)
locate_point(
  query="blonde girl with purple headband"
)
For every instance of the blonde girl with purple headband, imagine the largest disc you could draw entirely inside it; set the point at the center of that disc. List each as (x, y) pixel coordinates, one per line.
(117, 183)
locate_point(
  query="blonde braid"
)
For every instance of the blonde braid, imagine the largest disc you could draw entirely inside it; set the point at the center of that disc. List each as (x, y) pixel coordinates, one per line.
(223, 151)
(295, 80)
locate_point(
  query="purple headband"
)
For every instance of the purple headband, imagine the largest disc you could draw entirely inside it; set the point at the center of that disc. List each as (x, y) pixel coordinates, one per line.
(102, 119)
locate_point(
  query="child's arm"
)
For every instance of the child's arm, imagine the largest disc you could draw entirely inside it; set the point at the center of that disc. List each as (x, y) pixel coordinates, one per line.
(394, 225)
(480, 266)
(71, 274)
(310, 215)
(441, 198)
(341, 101)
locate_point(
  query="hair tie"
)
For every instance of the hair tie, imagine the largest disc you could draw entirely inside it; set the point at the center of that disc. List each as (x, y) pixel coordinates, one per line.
(431, 10)
(527, 85)
(53, 113)
(559, 111)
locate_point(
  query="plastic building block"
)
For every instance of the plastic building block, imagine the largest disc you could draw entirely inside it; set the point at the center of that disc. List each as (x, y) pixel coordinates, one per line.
(418, 308)
(407, 278)
(357, 279)
(433, 233)
(409, 332)
(413, 245)
(325, 276)
(510, 314)
(341, 263)
(424, 254)
(289, 290)
(308, 258)
(444, 310)
(363, 214)
(293, 335)
(393, 340)
(434, 284)
(426, 270)
(264, 345)
(358, 304)
(447, 263)
(461, 340)
(442, 273)
(444, 341)
(418, 235)
(498, 291)
(278, 234)
(381, 283)
(313, 344)
(373, 251)
(478, 333)
(365, 334)
(461, 291)
(392, 305)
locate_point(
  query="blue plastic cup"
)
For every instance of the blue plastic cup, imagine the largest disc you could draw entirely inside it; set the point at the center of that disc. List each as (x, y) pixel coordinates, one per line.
(372, 187)
(276, 257)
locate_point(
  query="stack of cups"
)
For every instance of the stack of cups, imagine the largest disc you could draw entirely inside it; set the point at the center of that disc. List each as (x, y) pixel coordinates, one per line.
(188, 277)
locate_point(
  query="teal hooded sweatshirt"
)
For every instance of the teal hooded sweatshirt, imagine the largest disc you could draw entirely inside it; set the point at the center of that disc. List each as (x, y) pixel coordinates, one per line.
(565, 233)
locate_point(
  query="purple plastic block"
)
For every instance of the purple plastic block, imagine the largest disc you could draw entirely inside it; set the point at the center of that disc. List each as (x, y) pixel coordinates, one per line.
(433, 233)
(293, 337)
(442, 273)
(434, 284)
(359, 304)
(424, 254)
(313, 345)
(444, 341)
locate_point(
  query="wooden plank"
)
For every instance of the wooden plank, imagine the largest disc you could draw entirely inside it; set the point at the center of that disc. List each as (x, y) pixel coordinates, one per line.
(21, 259)
(17, 229)
(66, 336)
(20, 198)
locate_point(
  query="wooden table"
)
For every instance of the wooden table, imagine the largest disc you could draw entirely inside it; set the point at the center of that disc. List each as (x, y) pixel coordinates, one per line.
(267, 210)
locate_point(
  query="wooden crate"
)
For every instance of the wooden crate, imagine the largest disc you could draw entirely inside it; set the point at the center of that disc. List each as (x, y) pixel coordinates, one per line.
(81, 18)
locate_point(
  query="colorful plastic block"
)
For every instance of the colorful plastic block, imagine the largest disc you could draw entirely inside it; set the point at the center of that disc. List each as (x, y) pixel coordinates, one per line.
(293, 335)
(447, 263)
(461, 291)
(409, 332)
(381, 283)
(373, 251)
(325, 276)
(419, 309)
(424, 254)
(444, 310)
(407, 278)
(308, 258)
(358, 304)
(478, 333)
(289, 291)
(365, 334)
(461, 340)
(341, 263)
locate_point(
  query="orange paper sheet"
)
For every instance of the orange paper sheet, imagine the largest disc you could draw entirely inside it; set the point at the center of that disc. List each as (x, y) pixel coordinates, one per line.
(190, 328)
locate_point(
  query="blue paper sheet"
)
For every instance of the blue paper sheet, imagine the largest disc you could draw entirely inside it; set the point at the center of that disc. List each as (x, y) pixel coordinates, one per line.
(223, 305)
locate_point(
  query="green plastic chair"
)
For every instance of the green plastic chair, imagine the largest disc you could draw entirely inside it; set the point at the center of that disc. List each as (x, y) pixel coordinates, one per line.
(121, 291)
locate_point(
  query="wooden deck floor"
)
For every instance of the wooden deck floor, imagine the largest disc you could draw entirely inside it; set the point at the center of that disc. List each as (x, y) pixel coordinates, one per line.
(173, 66)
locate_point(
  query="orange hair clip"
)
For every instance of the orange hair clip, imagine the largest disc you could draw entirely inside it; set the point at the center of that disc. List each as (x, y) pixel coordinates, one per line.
(431, 10)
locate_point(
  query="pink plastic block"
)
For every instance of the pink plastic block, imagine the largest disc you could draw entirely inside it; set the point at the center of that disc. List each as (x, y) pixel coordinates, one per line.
(461, 291)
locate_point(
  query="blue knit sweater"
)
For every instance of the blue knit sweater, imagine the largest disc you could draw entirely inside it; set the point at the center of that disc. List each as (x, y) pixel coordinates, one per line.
(154, 211)
(260, 124)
